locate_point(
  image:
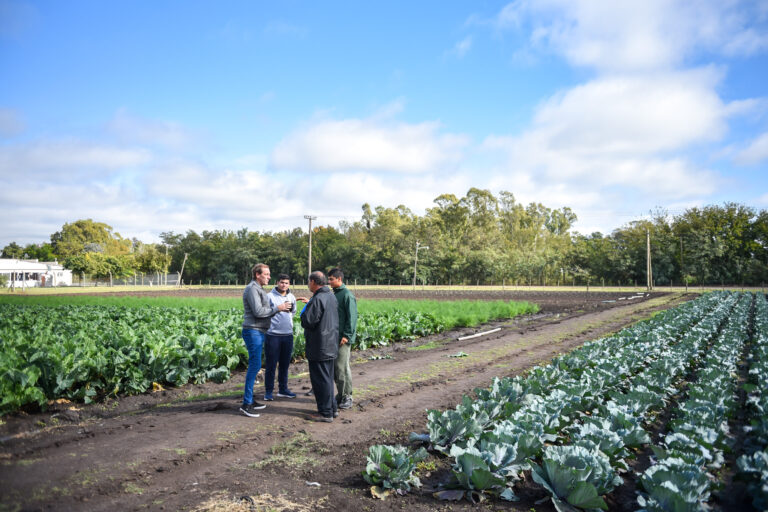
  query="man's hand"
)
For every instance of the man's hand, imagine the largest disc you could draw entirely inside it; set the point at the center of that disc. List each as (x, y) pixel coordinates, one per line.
(285, 306)
(302, 299)
(343, 341)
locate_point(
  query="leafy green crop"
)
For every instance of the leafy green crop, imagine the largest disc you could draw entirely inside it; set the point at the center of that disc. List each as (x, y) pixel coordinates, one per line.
(575, 477)
(87, 352)
(594, 403)
(390, 469)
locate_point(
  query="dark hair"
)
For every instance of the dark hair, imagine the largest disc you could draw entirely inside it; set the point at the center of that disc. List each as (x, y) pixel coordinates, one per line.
(280, 277)
(336, 272)
(318, 278)
(258, 268)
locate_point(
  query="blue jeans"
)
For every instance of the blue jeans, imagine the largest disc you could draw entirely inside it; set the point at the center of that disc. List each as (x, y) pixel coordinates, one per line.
(254, 340)
(278, 349)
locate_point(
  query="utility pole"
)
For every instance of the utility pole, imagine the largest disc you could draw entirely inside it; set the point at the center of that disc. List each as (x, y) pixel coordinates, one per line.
(682, 265)
(416, 260)
(310, 218)
(178, 283)
(649, 271)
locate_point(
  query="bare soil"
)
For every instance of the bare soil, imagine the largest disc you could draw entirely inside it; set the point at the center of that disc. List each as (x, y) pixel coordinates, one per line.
(189, 449)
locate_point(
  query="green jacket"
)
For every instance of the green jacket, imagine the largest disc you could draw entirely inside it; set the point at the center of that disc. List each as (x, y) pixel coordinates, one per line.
(347, 313)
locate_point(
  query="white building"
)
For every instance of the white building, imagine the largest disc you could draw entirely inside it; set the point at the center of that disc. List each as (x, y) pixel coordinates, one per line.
(33, 273)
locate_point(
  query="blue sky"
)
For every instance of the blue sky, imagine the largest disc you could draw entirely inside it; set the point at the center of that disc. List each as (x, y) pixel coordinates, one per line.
(176, 115)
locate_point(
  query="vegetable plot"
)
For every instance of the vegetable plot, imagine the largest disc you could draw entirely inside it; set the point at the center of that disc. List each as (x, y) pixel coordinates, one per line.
(573, 424)
(753, 465)
(88, 352)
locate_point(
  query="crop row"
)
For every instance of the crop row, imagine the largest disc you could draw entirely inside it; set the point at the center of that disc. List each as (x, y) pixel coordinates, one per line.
(682, 477)
(753, 465)
(573, 423)
(88, 352)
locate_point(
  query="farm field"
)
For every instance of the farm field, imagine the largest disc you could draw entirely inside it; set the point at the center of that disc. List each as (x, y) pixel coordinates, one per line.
(187, 448)
(88, 352)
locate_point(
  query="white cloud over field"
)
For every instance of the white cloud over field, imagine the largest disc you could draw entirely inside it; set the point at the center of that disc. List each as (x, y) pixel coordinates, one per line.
(373, 144)
(631, 136)
(755, 153)
(639, 35)
(10, 122)
(132, 129)
(52, 158)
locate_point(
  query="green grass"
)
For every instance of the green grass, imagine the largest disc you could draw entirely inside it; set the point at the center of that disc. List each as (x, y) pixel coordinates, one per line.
(207, 304)
(459, 313)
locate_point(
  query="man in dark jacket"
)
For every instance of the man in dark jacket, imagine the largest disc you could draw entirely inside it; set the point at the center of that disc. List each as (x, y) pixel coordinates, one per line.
(347, 327)
(320, 320)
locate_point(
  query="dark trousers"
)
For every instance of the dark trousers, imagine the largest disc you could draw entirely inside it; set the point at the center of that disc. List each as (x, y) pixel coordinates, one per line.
(321, 377)
(278, 349)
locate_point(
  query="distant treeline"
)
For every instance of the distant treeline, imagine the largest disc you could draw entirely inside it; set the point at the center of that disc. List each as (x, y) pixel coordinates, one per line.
(476, 239)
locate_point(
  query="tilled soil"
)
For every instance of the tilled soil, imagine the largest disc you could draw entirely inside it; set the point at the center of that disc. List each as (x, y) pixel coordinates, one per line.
(189, 448)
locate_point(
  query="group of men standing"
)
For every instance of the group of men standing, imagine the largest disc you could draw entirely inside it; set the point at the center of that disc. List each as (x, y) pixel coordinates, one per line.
(329, 320)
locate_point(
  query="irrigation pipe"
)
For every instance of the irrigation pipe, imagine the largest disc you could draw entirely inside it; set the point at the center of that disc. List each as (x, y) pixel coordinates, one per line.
(478, 334)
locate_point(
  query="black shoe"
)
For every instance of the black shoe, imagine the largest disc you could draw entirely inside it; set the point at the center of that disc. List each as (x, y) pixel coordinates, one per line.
(249, 410)
(346, 403)
(310, 392)
(320, 417)
(259, 405)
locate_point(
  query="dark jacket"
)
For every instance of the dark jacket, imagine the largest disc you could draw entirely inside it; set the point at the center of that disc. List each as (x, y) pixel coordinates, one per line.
(320, 320)
(347, 313)
(257, 310)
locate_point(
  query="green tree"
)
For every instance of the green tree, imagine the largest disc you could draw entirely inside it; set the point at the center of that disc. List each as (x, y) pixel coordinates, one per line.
(84, 236)
(718, 242)
(13, 250)
(41, 252)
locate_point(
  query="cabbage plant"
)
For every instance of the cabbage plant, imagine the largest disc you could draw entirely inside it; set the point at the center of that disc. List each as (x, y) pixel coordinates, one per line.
(390, 469)
(575, 477)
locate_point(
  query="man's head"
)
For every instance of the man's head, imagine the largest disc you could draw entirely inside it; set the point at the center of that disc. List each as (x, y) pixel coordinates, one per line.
(283, 283)
(316, 281)
(261, 273)
(335, 277)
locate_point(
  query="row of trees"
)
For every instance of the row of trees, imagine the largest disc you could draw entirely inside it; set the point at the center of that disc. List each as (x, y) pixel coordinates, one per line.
(477, 239)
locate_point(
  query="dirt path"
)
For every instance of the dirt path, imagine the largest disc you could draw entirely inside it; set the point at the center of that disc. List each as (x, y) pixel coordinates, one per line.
(177, 451)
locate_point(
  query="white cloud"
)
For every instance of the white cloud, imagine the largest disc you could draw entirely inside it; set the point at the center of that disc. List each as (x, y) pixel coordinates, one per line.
(461, 48)
(368, 144)
(11, 122)
(634, 114)
(413, 191)
(241, 194)
(150, 132)
(637, 34)
(61, 157)
(755, 153)
(630, 134)
(617, 140)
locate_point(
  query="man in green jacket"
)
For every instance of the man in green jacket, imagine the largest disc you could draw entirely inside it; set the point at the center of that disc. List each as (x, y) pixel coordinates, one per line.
(347, 329)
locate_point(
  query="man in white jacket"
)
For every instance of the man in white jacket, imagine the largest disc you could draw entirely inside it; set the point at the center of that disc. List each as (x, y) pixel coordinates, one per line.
(278, 345)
